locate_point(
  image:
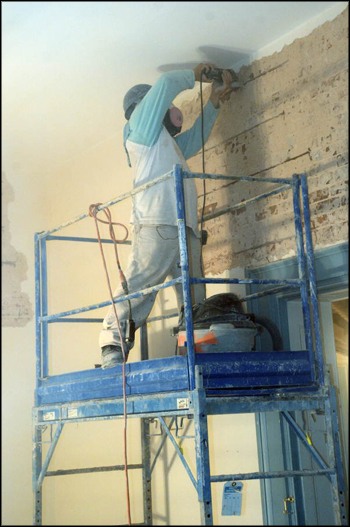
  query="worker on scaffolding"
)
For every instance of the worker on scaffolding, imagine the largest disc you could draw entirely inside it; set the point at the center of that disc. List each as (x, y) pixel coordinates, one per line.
(153, 147)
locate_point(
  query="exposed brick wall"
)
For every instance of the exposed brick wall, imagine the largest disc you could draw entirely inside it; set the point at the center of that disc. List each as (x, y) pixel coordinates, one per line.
(290, 117)
(16, 309)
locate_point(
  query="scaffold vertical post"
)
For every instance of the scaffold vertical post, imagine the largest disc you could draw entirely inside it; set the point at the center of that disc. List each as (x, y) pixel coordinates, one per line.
(202, 450)
(37, 313)
(302, 273)
(37, 467)
(312, 278)
(146, 471)
(145, 444)
(335, 458)
(44, 307)
(184, 262)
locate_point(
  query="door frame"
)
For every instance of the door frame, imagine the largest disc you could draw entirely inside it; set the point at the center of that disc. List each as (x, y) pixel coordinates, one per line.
(331, 267)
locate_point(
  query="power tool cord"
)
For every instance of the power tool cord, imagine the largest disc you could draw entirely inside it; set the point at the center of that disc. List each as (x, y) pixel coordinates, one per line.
(203, 168)
(93, 213)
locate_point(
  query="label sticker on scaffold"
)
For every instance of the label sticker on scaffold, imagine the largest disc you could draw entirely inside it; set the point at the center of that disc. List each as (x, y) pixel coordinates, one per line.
(182, 404)
(72, 412)
(49, 416)
(232, 498)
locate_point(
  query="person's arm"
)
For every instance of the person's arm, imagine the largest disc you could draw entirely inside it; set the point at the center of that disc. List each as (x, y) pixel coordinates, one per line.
(190, 142)
(147, 119)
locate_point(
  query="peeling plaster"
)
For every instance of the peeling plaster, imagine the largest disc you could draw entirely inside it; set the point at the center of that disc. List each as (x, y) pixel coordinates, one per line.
(16, 308)
(290, 117)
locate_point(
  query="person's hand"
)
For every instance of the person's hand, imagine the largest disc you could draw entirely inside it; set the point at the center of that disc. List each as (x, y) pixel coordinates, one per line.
(203, 67)
(221, 91)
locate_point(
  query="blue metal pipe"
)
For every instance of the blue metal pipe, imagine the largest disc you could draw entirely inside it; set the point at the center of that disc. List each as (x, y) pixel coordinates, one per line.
(90, 470)
(270, 475)
(312, 278)
(202, 449)
(116, 301)
(333, 439)
(302, 273)
(186, 280)
(176, 446)
(100, 320)
(44, 305)
(161, 446)
(157, 181)
(197, 175)
(331, 453)
(299, 432)
(79, 239)
(146, 465)
(109, 203)
(37, 312)
(50, 454)
(292, 282)
(56, 317)
(37, 464)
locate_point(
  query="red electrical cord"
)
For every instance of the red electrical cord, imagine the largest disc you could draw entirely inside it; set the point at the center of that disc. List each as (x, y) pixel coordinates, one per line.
(93, 213)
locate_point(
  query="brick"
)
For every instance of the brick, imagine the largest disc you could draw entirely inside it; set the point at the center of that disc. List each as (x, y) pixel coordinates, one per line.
(291, 117)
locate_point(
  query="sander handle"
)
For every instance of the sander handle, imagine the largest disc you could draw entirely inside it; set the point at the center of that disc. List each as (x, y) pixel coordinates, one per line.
(216, 74)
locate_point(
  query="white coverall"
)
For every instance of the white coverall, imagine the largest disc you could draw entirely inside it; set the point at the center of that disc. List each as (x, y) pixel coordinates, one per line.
(155, 250)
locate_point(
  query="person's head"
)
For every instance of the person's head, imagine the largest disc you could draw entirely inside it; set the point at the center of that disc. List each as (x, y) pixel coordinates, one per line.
(133, 97)
(173, 118)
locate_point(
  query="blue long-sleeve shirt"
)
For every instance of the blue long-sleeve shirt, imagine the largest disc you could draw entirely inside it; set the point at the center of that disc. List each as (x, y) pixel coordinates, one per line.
(154, 152)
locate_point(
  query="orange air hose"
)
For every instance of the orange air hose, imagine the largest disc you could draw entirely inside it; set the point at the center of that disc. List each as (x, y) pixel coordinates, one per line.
(93, 213)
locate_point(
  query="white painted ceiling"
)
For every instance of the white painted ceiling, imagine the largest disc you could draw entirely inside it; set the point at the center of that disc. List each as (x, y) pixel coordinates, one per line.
(67, 65)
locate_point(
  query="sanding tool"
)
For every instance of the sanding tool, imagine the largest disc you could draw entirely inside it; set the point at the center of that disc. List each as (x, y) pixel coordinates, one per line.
(216, 74)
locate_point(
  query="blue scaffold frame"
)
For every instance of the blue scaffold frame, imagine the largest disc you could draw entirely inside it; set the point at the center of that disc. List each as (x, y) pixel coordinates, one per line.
(195, 385)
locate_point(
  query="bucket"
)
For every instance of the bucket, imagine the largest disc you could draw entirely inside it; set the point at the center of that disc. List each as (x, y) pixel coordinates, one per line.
(219, 338)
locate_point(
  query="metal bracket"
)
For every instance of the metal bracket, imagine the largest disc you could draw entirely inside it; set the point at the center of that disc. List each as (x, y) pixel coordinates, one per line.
(177, 428)
(155, 421)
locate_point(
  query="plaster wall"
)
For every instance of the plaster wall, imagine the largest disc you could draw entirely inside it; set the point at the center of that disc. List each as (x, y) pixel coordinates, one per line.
(16, 309)
(290, 117)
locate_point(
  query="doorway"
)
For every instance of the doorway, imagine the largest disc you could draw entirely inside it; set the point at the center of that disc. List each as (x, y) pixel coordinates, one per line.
(333, 309)
(277, 444)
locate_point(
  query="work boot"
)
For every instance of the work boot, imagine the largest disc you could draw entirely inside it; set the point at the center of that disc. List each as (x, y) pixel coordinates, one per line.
(111, 356)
